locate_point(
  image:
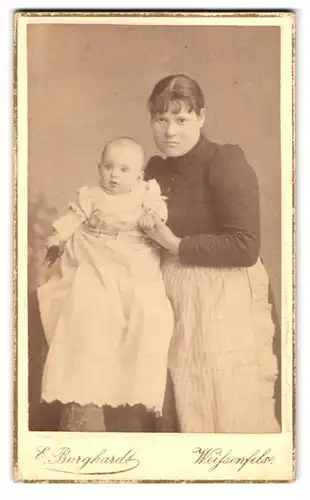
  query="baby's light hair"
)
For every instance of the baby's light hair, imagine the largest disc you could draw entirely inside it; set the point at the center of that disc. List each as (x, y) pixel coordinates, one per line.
(124, 140)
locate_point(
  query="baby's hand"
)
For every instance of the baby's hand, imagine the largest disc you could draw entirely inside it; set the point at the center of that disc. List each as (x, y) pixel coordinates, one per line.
(54, 250)
(53, 253)
(147, 222)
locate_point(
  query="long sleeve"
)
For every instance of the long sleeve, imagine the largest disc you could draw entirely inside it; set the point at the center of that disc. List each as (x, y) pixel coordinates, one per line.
(78, 212)
(66, 225)
(235, 201)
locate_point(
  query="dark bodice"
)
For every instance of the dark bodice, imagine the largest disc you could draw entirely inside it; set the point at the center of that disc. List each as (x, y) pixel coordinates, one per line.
(213, 204)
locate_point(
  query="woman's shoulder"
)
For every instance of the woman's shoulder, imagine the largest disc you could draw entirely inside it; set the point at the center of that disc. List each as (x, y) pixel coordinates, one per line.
(225, 154)
(229, 163)
(229, 149)
(153, 166)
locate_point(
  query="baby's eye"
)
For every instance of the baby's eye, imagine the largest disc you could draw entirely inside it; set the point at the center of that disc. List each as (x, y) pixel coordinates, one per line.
(124, 169)
(108, 166)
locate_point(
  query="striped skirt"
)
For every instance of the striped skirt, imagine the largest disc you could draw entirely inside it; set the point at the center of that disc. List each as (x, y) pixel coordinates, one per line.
(221, 358)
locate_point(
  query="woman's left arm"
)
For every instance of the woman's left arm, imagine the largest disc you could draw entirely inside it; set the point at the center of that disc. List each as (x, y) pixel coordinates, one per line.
(235, 201)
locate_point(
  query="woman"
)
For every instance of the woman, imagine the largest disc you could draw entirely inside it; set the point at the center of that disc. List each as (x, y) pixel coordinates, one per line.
(221, 359)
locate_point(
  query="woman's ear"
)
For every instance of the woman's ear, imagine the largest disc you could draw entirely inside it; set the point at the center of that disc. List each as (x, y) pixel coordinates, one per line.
(202, 117)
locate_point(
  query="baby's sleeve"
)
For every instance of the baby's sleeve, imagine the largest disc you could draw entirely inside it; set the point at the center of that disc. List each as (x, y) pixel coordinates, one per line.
(154, 201)
(79, 210)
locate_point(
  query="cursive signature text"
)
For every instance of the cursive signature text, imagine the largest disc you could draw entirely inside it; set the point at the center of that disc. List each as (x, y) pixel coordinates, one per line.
(63, 460)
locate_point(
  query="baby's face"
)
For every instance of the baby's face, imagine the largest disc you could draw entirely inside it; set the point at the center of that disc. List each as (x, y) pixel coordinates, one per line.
(120, 168)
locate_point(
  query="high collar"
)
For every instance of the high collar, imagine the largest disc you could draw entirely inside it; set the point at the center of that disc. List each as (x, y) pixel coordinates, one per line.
(203, 149)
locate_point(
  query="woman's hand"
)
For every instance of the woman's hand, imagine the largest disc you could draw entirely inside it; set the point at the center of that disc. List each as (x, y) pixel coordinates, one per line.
(163, 235)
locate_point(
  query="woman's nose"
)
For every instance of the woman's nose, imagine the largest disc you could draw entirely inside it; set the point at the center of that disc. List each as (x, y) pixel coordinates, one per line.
(170, 130)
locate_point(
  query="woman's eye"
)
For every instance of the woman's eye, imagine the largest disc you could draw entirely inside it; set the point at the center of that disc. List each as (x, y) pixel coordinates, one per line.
(160, 120)
(180, 121)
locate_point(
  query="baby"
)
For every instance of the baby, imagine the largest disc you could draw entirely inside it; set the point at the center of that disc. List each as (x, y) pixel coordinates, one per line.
(115, 179)
(107, 319)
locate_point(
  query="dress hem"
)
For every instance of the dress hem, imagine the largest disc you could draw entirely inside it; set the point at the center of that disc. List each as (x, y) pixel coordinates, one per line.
(124, 405)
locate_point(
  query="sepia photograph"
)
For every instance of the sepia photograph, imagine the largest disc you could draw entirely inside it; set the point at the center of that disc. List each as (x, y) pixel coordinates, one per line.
(154, 247)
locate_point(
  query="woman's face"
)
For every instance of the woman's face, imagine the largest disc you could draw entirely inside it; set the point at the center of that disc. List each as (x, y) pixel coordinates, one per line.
(176, 133)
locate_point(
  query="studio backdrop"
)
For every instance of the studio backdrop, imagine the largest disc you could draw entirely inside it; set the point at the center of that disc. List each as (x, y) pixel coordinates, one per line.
(90, 83)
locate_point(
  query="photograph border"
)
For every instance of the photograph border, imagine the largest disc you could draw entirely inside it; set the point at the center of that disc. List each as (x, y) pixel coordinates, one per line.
(144, 14)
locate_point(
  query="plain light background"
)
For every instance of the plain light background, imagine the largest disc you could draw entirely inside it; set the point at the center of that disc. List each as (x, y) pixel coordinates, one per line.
(241, 491)
(90, 83)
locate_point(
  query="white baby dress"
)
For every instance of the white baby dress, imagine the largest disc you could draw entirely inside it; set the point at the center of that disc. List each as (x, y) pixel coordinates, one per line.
(107, 319)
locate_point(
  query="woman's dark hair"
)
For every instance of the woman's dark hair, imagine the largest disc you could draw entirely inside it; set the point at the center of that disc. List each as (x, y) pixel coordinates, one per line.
(177, 90)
